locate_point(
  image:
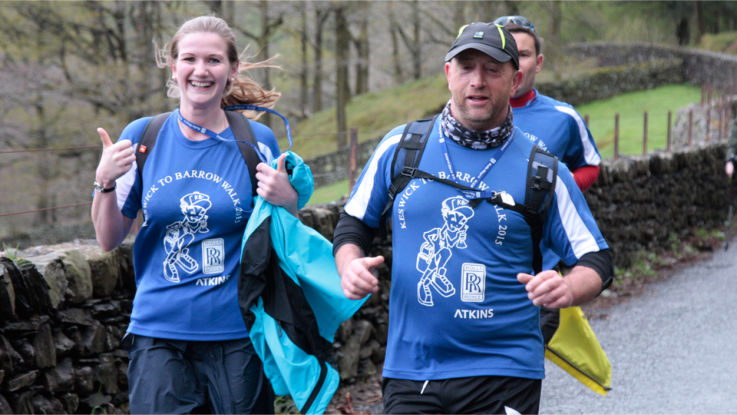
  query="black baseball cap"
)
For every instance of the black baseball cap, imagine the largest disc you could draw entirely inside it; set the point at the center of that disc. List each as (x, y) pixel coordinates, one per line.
(490, 38)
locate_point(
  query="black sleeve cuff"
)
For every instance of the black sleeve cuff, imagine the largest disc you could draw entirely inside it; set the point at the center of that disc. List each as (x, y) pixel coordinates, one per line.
(352, 230)
(601, 262)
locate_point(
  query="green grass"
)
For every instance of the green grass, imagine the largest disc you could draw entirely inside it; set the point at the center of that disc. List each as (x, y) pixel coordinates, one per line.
(375, 113)
(631, 107)
(329, 193)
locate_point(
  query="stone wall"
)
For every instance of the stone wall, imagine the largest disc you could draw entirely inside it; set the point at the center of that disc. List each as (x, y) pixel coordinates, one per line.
(612, 80)
(699, 67)
(63, 311)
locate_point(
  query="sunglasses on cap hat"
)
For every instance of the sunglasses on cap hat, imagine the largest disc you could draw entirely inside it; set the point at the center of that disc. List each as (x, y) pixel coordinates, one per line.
(521, 21)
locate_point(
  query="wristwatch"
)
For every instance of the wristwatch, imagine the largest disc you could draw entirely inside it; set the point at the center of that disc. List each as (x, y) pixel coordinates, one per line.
(100, 189)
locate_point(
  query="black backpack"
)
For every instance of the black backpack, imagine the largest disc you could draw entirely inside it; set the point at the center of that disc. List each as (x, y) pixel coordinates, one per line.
(542, 171)
(238, 123)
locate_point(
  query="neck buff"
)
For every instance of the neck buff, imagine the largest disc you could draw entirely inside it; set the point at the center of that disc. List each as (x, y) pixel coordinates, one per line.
(477, 140)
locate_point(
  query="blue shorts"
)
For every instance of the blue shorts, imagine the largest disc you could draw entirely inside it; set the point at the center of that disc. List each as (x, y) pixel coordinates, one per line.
(174, 376)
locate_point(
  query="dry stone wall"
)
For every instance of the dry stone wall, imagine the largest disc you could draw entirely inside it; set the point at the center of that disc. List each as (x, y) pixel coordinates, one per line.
(63, 311)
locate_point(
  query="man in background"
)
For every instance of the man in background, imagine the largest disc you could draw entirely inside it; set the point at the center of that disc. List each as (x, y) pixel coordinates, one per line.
(557, 124)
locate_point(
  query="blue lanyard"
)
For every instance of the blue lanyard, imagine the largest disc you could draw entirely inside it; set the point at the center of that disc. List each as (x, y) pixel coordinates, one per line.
(269, 110)
(213, 134)
(492, 161)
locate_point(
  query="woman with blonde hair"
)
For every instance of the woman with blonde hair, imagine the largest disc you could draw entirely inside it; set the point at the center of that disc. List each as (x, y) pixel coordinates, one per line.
(189, 349)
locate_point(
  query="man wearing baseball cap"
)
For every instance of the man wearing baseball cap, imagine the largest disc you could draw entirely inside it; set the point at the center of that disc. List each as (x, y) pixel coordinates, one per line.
(464, 332)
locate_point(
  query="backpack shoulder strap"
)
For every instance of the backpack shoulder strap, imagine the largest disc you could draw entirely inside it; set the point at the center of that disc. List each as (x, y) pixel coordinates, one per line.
(243, 132)
(148, 140)
(542, 173)
(406, 158)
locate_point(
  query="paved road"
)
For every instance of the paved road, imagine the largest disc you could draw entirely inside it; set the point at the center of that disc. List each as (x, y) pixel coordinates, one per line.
(673, 349)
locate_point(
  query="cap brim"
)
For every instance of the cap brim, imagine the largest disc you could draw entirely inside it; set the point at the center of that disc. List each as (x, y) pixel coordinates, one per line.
(493, 52)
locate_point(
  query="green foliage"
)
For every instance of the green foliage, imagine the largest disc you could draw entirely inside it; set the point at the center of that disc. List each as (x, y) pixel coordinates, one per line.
(643, 268)
(647, 264)
(709, 234)
(12, 254)
(720, 42)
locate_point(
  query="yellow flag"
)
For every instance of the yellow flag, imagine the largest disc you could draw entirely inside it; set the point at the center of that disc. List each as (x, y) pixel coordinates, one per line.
(576, 350)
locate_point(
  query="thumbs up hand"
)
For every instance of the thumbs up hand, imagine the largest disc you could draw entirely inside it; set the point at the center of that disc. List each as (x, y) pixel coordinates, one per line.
(358, 278)
(116, 160)
(274, 185)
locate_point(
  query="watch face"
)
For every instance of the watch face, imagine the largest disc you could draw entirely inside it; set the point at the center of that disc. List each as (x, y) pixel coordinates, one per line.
(101, 189)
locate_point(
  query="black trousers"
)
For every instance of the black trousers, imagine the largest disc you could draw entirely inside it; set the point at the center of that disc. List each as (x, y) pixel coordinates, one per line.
(174, 376)
(479, 394)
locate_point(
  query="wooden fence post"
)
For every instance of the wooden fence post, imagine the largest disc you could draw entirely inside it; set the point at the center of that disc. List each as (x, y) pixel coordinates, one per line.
(708, 122)
(352, 163)
(667, 137)
(644, 134)
(616, 135)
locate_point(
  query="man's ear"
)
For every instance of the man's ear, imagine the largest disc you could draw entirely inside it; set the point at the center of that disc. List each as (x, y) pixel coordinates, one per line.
(539, 64)
(516, 81)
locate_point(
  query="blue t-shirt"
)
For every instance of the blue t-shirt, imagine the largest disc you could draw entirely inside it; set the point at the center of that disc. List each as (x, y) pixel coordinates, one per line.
(196, 199)
(456, 308)
(558, 129)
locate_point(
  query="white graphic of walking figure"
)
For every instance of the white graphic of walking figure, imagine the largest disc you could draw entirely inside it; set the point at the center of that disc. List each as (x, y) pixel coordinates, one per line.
(435, 251)
(180, 234)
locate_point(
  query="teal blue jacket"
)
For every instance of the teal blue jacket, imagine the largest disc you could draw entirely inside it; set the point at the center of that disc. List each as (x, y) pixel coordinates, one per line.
(290, 297)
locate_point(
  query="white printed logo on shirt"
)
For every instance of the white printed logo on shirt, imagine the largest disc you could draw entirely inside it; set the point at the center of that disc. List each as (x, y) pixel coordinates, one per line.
(473, 283)
(213, 256)
(180, 234)
(437, 247)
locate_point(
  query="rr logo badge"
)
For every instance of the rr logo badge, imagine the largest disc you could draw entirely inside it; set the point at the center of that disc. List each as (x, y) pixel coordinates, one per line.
(213, 256)
(473, 283)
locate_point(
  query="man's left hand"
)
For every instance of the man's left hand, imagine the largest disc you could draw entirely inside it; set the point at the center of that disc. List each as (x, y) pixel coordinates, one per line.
(548, 289)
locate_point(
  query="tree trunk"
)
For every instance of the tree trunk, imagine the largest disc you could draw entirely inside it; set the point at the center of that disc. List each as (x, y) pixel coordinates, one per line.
(459, 16)
(700, 20)
(264, 44)
(303, 71)
(341, 79)
(44, 163)
(553, 46)
(320, 18)
(362, 51)
(417, 47)
(397, 75)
